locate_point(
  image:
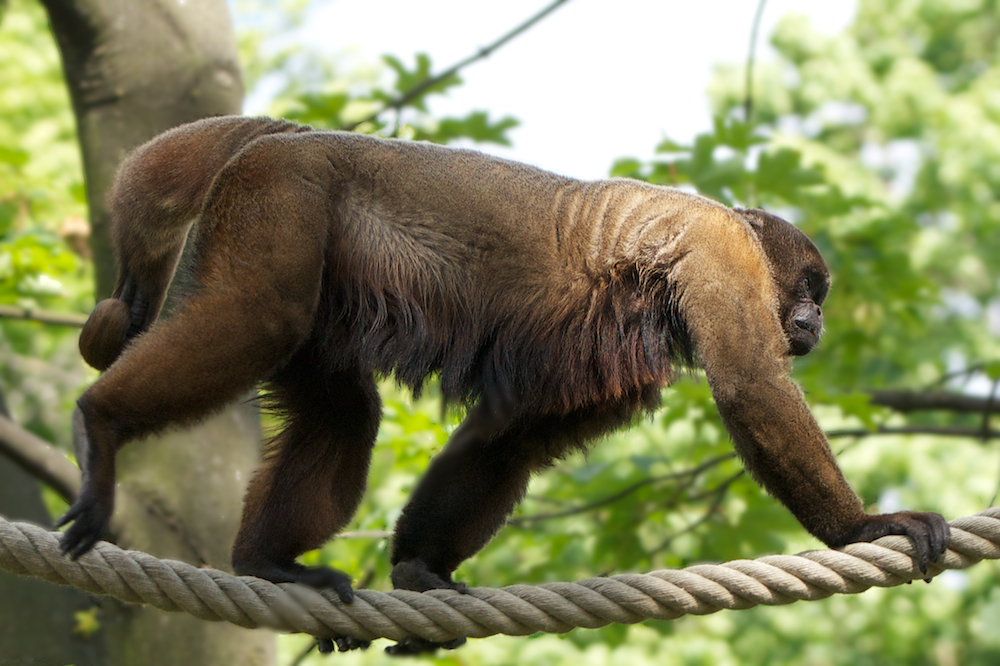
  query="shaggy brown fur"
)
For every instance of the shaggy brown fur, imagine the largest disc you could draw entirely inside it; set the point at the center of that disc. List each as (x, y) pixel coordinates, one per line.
(555, 308)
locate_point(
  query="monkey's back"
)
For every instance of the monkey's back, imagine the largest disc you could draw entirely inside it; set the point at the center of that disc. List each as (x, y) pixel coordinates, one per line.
(500, 276)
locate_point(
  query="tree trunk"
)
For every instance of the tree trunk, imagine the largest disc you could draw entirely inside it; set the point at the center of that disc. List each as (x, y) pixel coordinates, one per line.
(36, 617)
(134, 69)
(180, 498)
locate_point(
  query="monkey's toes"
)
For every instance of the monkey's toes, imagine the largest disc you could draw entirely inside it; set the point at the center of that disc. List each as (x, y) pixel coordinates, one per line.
(324, 578)
(90, 521)
(412, 646)
(415, 575)
(320, 578)
(342, 644)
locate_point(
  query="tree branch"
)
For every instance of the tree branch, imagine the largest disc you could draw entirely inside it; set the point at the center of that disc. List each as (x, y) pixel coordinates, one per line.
(43, 316)
(405, 98)
(988, 410)
(748, 100)
(913, 401)
(964, 372)
(39, 459)
(690, 473)
(719, 494)
(943, 431)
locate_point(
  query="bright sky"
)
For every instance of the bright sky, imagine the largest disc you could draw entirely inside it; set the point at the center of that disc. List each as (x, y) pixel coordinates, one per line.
(592, 82)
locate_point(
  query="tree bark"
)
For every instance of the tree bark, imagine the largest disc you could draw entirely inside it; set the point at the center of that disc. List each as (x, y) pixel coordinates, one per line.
(134, 69)
(36, 617)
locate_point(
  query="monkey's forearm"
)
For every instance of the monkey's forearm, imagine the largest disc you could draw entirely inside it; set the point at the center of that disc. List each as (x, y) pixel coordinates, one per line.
(786, 452)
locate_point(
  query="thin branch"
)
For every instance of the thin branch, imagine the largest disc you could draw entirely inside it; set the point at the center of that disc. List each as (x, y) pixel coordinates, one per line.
(988, 409)
(948, 376)
(404, 98)
(941, 431)
(301, 657)
(950, 431)
(719, 493)
(913, 401)
(722, 487)
(39, 459)
(689, 473)
(43, 316)
(748, 100)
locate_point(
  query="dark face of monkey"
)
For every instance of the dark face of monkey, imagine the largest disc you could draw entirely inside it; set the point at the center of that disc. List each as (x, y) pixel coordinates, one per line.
(802, 276)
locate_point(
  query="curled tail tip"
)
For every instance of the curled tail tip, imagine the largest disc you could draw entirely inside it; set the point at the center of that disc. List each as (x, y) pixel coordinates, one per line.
(105, 333)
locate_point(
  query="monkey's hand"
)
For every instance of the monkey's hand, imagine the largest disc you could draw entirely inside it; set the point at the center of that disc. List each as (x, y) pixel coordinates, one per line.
(929, 533)
(90, 515)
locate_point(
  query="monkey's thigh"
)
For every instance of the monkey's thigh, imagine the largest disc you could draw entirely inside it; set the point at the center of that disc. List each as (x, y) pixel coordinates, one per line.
(211, 352)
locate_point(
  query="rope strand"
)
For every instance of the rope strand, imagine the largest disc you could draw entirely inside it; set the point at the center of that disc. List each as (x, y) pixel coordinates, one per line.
(517, 610)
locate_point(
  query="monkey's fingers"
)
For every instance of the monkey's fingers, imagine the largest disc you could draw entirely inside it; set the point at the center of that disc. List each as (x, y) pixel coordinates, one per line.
(69, 516)
(942, 534)
(928, 532)
(79, 545)
(79, 538)
(347, 643)
(343, 644)
(930, 537)
(409, 647)
(90, 520)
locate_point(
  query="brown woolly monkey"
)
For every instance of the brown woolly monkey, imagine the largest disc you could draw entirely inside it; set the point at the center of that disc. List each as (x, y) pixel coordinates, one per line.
(555, 308)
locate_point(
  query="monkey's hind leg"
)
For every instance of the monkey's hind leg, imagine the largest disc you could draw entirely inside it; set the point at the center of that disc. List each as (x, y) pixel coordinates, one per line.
(462, 501)
(182, 370)
(313, 474)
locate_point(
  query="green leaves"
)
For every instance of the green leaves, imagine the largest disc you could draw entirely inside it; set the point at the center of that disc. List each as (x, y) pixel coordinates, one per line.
(13, 156)
(476, 127)
(408, 81)
(401, 109)
(721, 164)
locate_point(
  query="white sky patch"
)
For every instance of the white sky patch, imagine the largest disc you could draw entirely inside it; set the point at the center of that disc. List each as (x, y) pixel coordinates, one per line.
(594, 81)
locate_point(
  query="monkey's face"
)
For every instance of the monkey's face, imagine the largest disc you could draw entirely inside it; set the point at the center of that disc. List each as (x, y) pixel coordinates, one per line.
(802, 319)
(801, 276)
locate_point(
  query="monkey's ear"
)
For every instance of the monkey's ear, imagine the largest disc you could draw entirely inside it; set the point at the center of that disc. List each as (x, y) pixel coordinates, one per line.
(753, 216)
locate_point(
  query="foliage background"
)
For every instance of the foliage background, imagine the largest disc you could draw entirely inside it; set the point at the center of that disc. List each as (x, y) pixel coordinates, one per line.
(882, 143)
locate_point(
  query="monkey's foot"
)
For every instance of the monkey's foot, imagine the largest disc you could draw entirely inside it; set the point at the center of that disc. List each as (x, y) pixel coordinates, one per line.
(90, 516)
(415, 575)
(412, 646)
(343, 644)
(320, 578)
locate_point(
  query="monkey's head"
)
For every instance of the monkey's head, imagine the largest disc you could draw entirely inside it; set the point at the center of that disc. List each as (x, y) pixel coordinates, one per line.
(801, 275)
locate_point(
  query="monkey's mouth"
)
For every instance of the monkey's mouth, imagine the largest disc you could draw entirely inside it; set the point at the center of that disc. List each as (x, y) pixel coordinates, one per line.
(803, 341)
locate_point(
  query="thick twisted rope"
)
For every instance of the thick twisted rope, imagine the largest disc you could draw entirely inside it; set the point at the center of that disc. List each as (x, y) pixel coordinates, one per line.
(443, 615)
